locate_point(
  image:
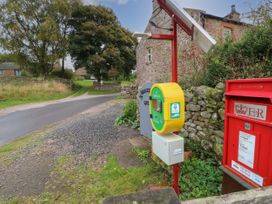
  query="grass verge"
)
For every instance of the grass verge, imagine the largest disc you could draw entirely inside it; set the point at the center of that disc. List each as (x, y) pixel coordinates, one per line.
(11, 151)
(86, 86)
(89, 184)
(29, 90)
(83, 86)
(32, 99)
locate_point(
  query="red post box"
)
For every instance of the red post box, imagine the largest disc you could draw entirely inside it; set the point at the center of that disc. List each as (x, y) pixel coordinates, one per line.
(248, 131)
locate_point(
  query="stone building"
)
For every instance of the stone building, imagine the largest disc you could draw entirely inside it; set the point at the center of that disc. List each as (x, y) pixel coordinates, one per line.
(8, 69)
(154, 56)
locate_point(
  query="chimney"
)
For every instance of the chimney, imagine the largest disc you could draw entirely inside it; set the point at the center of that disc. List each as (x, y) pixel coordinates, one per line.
(234, 15)
(233, 9)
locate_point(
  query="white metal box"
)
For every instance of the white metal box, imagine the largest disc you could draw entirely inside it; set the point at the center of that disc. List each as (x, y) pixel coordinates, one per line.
(168, 147)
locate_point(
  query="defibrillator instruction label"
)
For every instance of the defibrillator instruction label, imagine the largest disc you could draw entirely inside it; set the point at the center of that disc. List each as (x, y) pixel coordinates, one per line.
(175, 110)
(246, 150)
(247, 173)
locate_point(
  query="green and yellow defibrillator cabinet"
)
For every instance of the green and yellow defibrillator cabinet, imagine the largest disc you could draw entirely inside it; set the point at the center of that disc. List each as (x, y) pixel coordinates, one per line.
(167, 107)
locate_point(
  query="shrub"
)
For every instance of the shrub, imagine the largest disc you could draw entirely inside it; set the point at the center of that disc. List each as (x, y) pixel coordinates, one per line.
(199, 178)
(129, 116)
(249, 58)
(68, 74)
(198, 150)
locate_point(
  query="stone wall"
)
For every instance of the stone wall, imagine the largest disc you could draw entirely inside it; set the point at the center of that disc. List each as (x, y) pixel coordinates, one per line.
(107, 86)
(255, 196)
(205, 116)
(129, 90)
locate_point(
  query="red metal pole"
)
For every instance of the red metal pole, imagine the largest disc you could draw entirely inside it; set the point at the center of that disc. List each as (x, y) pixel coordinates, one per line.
(174, 53)
(174, 40)
(175, 79)
(176, 178)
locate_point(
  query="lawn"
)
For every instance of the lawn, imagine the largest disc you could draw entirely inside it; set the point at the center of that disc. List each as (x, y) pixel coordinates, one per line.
(27, 90)
(86, 86)
(30, 90)
(82, 86)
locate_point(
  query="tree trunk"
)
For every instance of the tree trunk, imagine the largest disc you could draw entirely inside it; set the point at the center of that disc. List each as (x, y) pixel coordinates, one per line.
(62, 66)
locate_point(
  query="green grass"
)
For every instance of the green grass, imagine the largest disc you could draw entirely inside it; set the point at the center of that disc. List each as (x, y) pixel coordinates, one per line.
(83, 86)
(88, 184)
(35, 98)
(29, 90)
(11, 151)
(86, 86)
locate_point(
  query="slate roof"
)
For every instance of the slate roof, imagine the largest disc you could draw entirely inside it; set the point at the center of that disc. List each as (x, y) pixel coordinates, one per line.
(8, 65)
(224, 19)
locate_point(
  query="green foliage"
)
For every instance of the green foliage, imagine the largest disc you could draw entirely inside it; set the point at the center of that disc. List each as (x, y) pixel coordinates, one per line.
(196, 78)
(91, 184)
(36, 32)
(7, 58)
(99, 43)
(67, 74)
(249, 58)
(199, 178)
(129, 116)
(82, 86)
(142, 154)
(198, 150)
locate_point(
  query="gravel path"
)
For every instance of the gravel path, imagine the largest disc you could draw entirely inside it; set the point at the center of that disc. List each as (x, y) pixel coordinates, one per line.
(84, 135)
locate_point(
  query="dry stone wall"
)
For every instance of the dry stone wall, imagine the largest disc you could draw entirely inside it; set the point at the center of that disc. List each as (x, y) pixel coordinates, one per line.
(107, 86)
(205, 117)
(129, 90)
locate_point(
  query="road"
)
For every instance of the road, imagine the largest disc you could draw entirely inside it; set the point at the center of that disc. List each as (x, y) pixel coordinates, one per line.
(20, 123)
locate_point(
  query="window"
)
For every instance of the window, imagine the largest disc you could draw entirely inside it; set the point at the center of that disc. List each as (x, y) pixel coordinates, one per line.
(149, 56)
(17, 73)
(227, 33)
(1, 72)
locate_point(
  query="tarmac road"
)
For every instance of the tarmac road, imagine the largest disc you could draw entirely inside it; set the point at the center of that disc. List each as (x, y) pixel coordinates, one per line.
(20, 123)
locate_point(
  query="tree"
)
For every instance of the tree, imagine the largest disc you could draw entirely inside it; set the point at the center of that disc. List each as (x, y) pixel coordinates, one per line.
(99, 43)
(261, 14)
(62, 13)
(7, 58)
(33, 31)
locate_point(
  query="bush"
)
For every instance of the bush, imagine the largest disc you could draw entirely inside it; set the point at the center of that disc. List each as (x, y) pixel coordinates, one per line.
(249, 58)
(129, 116)
(198, 150)
(68, 74)
(199, 178)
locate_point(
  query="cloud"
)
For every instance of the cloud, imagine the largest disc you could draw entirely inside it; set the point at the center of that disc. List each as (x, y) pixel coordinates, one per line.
(119, 2)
